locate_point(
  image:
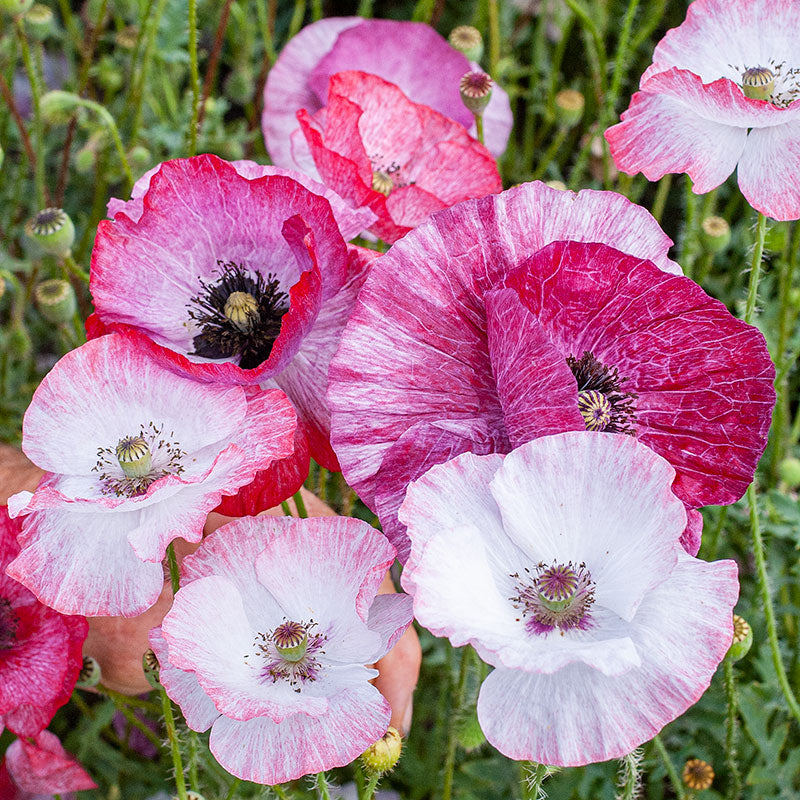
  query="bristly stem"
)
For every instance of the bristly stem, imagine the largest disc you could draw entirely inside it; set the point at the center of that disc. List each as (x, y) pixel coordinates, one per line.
(677, 784)
(372, 785)
(174, 572)
(322, 786)
(735, 785)
(630, 775)
(172, 736)
(455, 708)
(33, 80)
(301, 506)
(755, 269)
(195, 76)
(533, 776)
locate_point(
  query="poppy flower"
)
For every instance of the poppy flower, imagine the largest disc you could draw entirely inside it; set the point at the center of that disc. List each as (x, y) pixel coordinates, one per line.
(561, 564)
(40, 649)
(480, 330)
(722, 93)
(411, 55)
(376, 148)
(267, 641)
(135, 456)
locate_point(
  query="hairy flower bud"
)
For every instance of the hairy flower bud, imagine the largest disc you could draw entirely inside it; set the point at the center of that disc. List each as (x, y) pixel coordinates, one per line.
(55, 300)
(789, 471)
(569, 108)
(476, 91)
(15, 7)
(57, 106)
(467, 40)
(52, 230)
(39, 21)
(715, 234)
(384, 754)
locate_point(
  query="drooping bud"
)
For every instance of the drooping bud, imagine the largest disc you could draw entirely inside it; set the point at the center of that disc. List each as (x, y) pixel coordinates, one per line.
(698, 774)
(467, 40)
(569, 108)
(476, 91)
(55, 300)
(291, 641)
(151, 668)
(57, 106)
(758, 83)
(52, 230)
(15, 7)
(134, 457)
(39, 21)
(90, 673)
(715, 234)
(789, 471)
(380, 757)
(382, 183)
(742, 638)
(241, 308)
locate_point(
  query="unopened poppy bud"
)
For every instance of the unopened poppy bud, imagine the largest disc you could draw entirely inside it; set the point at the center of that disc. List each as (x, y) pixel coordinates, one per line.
(39, 21)
(240, 85)
(569, 108)
(467, 40)
(476, 91)
(55, 300)
(90, 673)
(140, 158)
(698, 774)
(52, 230)
(19, 341)
(15, 7)
(742, 638)
(715, 234)
(384, 754)
(469, 732)
(109, 75)
(789, 471)
(151, 668)
(58, 107)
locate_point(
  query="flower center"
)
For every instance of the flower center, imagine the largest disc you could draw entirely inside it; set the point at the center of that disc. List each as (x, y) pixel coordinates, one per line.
(238, 315)
(290, 653)
(138, 461)
(773, 81)
(758, 83)
(381, 182)
(556, 596)
(601, 401)
(8, 624)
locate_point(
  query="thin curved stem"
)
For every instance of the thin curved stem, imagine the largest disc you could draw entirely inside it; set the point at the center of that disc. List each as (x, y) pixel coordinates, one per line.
(172, 737)
(755, 269)
(195, 76)
(677, 784)
(452, 740)
(38, 134)
(732, 708)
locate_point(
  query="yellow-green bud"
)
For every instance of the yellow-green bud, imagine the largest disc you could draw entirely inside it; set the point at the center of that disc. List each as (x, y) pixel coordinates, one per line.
(15, 7)
(19, 342)
(39, 21)
(742, 638)
(52, 230)
(384, 754)
(382, 183)
(140, 159)
(90, 673)
(151, 668)
(467, 40)
(55, 300)
(569, 108)
(468, 730)
(58, 107)
(715, 234)
(789, 471)
(560, 185)
(758, 83)
(241, 308)
(476, 91)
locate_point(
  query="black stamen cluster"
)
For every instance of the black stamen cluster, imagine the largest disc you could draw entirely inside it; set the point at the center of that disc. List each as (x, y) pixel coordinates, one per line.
(592, 374)
(219, 337)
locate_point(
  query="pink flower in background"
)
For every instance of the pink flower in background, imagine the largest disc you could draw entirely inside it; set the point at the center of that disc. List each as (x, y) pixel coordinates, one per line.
(723, 93)
(411, 55)
(40, 649)
(267, 641)
(377, 149)
(474, 334)
(237, 275)
(561, 564)
(135, 456)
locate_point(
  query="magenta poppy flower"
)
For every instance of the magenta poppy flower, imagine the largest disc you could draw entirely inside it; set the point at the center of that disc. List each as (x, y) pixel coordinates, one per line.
(480, 330)
(723, 93)
(268, 638)
(238, 274)
(135, 456)
(561, 564)
(409, 54)
(41, 767)
(40, 649)
(377, 149)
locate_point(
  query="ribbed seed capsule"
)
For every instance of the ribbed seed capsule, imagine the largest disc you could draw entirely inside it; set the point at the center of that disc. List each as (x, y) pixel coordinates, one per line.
(241, 308)
(698, 774)
(52, 230)
(595, 409)
(467, 40)
(133, 454)
(742, 638)
(90, 673)
(382, 183)
(291, 641)
(55, 300)
(758, 83)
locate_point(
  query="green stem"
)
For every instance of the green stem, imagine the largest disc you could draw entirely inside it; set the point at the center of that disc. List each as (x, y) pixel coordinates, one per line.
(141, 83)
(285, 508)
(112, 128)
(630, 777)
(755, 269)
(587, 23)
(686, 254)
(494, 37)
(297, 17)
(455, 708)
(372, 785)
(677, 784)
(735, 785)
(195, 76)
(174, 572)
(365, 9)
(533, 776)
(662, 193)
(194, 751)
(233, 787)
(138, 724)
(78, 272)
(118, 697)
(552, 150)
(172, 736)
(38, 133)
(322, 786)
(301, 506)
(280, 791)
(712, 543)
(316, 10)
(479, 127)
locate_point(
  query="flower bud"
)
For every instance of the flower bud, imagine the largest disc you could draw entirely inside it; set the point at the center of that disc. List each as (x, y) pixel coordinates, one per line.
(90, 673)
(742, 638)
(19, 343)
(140, 159)
(384, 754)
(52, 230)
(151, 668)
(715, 234)
(476, 91)
(109, 75)
(58, 107)
(789, 471)
(468, 730)
(240, 86)
(39, 21)
(55, 300)
(14, 7)
(698, 774)
(467, 40)
(569, 108)
(560, 185)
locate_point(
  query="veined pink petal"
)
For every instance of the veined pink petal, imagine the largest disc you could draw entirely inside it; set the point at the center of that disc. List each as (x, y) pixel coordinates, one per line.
(43, 767)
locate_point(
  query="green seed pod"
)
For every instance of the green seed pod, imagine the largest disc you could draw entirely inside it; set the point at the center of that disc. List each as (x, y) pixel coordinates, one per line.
(151, 668)
(467, 40)
(789, 471)
(476, 91)
(698, 775)
(58, 107)
(384, 754)
(715, 234)
(90, 673)
(569, 108)
(39, 21)
(19, 341)
(468, 730)
(55, 300)
(52, 230)
(15, 7)
(758, 83)
(742, 638)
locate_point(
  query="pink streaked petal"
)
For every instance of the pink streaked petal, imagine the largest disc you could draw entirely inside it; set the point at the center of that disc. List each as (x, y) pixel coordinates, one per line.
(43, 767)
(407, 207)
(772, 154)
(81, 563)
(660, 134)
(390, 615)
(263, 751)
(692, 536)
(183, 687)
(536, 387)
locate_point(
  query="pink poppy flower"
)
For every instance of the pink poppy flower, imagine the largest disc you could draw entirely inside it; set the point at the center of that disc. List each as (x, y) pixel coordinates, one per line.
(237, 273)
(479, 331)
(409, 54)
(376, 148)
(40, 649)
(41, 767)
(561, 564)
(135, 456)
(723, 93)
(268, 638)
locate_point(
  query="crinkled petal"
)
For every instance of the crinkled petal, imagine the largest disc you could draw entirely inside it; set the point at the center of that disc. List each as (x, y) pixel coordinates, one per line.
(43, 767)
(390, 615)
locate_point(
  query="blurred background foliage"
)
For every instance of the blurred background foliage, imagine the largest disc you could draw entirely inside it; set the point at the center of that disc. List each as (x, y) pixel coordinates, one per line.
(132, 58)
